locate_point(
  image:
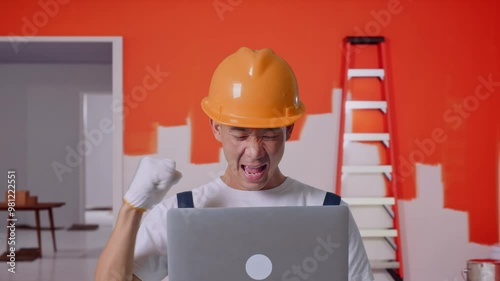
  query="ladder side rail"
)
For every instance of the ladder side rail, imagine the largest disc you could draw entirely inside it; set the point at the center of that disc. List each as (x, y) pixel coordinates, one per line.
(340, 150)
(392, 154)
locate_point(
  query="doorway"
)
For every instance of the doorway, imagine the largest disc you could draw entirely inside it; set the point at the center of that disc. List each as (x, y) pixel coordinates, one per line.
(35, 171)
(96, 173)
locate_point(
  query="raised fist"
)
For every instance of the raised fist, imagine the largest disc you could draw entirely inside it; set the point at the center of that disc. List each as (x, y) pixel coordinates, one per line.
(152, 181)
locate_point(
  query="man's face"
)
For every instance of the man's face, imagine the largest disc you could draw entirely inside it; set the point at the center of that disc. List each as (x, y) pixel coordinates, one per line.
(253, 155)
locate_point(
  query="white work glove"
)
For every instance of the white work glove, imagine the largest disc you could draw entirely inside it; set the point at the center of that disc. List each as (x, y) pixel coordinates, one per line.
(152, 181)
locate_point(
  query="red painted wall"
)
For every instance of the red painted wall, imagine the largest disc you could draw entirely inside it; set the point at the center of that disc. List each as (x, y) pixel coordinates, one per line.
(444, 73)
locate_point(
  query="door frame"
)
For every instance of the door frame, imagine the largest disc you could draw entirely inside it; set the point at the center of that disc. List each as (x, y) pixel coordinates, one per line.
(117, 96)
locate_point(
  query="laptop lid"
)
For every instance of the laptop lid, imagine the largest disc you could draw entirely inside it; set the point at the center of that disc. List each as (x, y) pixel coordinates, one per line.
(258, 243)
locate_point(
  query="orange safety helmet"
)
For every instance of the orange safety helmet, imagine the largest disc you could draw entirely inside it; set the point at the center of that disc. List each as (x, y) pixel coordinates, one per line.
(253, 89)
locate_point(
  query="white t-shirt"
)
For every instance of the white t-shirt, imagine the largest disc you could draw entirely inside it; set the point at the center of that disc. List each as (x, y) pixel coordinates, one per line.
(150, 256)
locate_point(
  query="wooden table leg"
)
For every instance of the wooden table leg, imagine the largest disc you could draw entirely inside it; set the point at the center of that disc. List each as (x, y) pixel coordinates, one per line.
(52, 230)
(38, 233)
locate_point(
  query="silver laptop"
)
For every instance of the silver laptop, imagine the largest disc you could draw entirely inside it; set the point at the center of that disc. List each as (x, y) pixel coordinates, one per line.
(265, 243)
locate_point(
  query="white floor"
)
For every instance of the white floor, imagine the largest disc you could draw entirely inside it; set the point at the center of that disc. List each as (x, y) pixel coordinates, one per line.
(75, 259)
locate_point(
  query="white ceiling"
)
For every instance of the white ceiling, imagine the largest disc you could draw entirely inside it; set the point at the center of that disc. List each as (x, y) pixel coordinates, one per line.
(55, 52)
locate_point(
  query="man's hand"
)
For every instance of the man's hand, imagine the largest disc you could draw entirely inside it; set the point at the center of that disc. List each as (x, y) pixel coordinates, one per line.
(152, 181)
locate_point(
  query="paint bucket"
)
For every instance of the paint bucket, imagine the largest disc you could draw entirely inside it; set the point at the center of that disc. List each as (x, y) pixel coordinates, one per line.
(482, 270)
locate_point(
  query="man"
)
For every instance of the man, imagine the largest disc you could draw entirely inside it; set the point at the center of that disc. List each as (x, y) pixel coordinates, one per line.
(252, 104)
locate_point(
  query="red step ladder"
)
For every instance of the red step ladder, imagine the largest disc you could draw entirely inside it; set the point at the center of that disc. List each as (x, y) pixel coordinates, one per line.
(353, 45)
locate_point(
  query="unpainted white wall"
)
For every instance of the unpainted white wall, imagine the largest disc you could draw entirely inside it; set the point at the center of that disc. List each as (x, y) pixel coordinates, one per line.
(39, 117)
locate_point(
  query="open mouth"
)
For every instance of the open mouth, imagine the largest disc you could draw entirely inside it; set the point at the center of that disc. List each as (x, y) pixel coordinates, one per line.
(254, 171)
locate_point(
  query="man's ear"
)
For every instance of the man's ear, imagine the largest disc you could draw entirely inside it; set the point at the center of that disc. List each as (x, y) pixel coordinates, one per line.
(289, 130)
(216, 129)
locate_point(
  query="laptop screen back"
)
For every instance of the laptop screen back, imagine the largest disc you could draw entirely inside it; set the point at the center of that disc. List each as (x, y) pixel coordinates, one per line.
(264, 243)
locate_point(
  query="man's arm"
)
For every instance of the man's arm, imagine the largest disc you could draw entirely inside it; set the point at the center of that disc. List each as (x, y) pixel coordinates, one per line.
(153, 179)
(117, 258)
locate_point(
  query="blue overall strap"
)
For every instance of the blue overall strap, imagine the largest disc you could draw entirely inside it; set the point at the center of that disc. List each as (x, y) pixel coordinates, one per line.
(185, 199)
(331, 199)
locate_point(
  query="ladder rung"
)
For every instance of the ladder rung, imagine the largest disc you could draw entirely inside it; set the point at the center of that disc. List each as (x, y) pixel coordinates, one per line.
(366, 137)
(365, 39)
(382, 105)
(378, 232)
(365, 201)
(367, 169)
(365, 72)
(377, 264)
